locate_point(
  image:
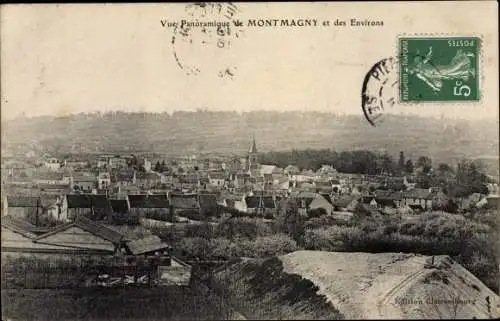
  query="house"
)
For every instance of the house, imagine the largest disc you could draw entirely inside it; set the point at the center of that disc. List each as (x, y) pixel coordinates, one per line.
(54, 189)
(493, 201)
(345, 203)
(117, 162)
(147, 180)
(239, 179)
(86, 235)
(309, 201)
(75, 164)
(323, 187)
(120, 209)
(256, 204)
(51, 178)
(217, 179)
(103, 180)
(123, 177)
(291, 170)
(23, 227)
(84, 184)
(150, 245)
(103, 161)
(22, 207)
(185, 202)
(52, 163)
(18, 236)
(208, 203)
(120, 206)
(51, 205)
(418, 197)
(270, 170)
(79, 205)
(327, 170)
(384, 198)
(142, 204)
(284, 184)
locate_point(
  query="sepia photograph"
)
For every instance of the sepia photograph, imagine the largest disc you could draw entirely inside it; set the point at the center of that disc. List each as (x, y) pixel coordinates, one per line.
(250, 161)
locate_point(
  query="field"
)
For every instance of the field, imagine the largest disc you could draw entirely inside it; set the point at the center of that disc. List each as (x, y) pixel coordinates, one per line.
(166, 303)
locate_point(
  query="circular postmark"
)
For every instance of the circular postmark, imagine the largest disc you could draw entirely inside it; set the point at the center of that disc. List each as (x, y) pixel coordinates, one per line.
(380, 90)
(203, 41)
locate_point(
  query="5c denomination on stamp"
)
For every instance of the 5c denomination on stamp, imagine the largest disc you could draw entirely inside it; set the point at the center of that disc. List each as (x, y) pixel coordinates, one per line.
(439, 69)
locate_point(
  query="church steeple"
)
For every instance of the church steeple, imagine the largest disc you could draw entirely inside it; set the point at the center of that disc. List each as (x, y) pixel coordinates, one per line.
(253, 147)
(253, 155)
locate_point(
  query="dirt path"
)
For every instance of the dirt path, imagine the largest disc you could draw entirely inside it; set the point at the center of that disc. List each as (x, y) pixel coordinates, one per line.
(386, 306)
(380, 298)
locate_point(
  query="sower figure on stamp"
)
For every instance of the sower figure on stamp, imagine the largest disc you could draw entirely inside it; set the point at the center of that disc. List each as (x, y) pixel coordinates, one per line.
(458, 68)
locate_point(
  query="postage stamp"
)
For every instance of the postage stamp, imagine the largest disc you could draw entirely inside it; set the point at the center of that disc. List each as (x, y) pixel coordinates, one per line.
(439, 69)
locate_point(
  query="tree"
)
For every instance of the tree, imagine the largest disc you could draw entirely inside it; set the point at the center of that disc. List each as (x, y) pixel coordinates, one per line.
(290, 221)
(409, 166)
(157, 167)
(401, 162)
(163, 167)
(469, 179)
(317, 212)
(424, 163)
(386, 164)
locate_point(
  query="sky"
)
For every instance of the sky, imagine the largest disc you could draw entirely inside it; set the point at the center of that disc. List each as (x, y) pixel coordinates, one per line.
(60, 59)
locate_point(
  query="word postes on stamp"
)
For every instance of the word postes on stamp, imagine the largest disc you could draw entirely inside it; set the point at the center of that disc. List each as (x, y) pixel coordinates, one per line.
(439, 69)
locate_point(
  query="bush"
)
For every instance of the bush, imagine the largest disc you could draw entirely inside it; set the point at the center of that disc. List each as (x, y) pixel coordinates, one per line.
(243, 227)
(223, 248)
(317, 212)
(265, 246)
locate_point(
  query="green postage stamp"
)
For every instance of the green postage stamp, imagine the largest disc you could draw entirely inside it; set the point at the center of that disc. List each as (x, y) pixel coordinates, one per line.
(439, 69)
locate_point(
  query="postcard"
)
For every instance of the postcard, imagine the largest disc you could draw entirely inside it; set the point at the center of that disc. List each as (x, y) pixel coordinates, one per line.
(245, 160)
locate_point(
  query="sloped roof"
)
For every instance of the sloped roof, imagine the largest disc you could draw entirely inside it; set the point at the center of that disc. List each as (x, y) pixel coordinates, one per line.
(147, 176)
(260, 202)
(84, 178)
(22, 227)
(53, 186)
(217, 175)
(327, 197)
(48, 200)
(122, 176)
(418, 193)
(292, 168)
(344, 200)
(305, 194)
(23, 201)
(184, 201)
(47, 175)
(87, 201)
(119, 206)
(269, 169)
(146, 245)
(268, 202)
(207, 200)
(89, 226)
(252, 201)
(149, 201)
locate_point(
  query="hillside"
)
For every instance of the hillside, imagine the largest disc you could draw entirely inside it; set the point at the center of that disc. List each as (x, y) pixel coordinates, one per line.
(229, 132)
(365, 286)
